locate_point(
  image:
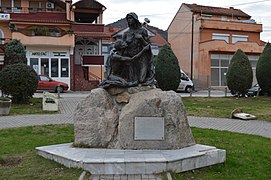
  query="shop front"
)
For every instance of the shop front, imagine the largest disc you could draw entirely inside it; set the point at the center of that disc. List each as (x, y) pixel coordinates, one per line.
(53, 62)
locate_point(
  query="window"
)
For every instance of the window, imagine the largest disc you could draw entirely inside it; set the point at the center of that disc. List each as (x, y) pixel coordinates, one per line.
(45, 66)
(224, 18)
(34, 63)
(54, 67)
(1, 37)
(253, 61)
(64, 67)
(1, 60)
(37, 6)
(206, 16)
(219, 67)
(216, 36)
(236, 38)
(105, 49)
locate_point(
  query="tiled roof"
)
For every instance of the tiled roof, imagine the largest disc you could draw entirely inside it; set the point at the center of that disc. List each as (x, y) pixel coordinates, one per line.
(40, 17)
(89, 4)
(217, 10)
(158, 39)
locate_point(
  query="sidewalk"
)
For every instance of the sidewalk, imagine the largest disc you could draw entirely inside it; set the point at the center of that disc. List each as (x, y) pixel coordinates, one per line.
(69, 103)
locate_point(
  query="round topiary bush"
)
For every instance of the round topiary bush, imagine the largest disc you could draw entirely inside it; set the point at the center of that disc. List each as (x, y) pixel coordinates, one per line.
(263, 73)
(239, 76)
(15, 52)
(18, 81)
(167, 69)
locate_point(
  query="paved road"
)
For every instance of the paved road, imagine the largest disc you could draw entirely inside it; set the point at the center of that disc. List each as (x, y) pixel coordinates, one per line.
(69, 101)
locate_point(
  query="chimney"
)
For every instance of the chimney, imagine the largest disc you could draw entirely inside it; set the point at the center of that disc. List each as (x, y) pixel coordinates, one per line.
(68, 9)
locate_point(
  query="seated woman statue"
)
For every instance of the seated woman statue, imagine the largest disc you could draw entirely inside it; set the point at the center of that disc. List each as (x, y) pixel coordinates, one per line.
(130, 62)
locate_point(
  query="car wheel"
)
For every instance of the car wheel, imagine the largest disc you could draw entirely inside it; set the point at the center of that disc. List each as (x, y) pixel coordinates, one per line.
(188, 89)
(59, 89)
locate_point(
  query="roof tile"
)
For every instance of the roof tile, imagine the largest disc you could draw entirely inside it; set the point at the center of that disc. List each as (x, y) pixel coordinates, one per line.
(217, 10)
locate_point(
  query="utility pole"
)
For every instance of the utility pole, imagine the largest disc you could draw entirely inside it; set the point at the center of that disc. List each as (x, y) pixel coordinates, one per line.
(192, 48)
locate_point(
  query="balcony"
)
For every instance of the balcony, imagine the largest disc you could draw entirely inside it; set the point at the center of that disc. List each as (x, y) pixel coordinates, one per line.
(66, 40)
(234, 25)
(89, 30)
(40, 17)
(81, 27)
(223, 46)
(27, 10)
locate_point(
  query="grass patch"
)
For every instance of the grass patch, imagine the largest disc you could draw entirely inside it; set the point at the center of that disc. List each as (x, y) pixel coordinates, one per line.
(18, 157)
(223, 106)
(34, 107)
(248, 156)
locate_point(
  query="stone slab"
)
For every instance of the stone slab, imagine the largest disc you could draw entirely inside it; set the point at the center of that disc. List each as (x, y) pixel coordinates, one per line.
(118, 161)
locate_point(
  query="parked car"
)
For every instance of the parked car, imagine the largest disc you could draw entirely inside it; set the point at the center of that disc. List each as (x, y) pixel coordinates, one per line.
(47, 83)
(186, 84)
(254, 91)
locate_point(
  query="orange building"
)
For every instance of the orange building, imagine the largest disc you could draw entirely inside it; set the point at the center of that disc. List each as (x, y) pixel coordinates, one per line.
(62, 40)
(204, 39)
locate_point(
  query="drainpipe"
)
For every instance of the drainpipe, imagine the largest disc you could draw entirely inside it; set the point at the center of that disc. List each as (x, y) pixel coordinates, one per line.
(192, 48)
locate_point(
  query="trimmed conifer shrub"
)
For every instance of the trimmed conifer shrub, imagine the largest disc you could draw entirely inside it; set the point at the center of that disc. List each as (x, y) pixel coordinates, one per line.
(18, 81)
(239, 76)
(167, 69)
(15, 53)
(263, 70)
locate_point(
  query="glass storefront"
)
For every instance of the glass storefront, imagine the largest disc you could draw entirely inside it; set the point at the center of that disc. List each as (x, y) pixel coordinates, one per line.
(219, 68)
(52, 64)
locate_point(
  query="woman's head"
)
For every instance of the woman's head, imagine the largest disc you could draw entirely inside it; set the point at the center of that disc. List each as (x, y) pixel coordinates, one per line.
(132, 20)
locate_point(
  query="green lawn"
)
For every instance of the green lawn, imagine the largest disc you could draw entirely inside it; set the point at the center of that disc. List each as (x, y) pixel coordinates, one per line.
(223, 106)
(18, 158)
(248, 156)
(195, 106)
(33, 107)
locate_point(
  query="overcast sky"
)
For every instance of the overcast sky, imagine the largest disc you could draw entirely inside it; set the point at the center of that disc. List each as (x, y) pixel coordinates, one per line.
(161, 12)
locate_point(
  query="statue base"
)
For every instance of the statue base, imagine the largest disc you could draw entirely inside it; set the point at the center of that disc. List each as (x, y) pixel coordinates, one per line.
(132, 118)
(119, 161)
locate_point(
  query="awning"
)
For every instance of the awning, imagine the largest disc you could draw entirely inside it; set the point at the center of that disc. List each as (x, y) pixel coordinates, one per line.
(88, 60)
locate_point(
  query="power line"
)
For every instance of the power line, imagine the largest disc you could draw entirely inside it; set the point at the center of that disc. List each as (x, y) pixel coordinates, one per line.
(254, 2)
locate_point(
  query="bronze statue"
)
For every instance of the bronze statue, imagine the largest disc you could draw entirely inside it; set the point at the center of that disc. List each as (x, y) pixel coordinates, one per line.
(130, 62)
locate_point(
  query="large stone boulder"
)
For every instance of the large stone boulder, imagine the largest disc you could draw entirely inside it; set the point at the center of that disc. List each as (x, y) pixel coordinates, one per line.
(106, 119)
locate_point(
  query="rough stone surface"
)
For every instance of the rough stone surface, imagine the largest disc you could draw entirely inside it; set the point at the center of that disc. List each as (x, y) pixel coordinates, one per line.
(123, 97)
(96, 120)
(100, 121)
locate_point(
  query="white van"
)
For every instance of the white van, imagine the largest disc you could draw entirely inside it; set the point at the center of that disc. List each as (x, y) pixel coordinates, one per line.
(186, 84)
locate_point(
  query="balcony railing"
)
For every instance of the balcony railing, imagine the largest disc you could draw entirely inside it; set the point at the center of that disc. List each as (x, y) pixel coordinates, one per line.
(248, 21)
(42, 32)
(27, 10)
(231, 25)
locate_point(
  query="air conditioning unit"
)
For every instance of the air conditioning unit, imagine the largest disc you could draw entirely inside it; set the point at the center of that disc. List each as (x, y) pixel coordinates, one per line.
(50, 5)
